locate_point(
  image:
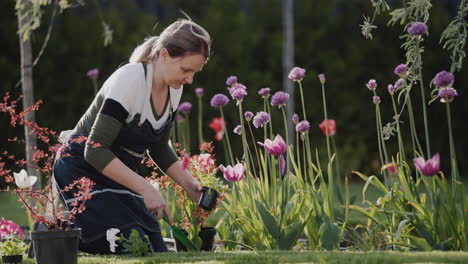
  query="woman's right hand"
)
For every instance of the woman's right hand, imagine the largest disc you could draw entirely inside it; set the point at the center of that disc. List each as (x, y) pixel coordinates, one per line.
(156, 204)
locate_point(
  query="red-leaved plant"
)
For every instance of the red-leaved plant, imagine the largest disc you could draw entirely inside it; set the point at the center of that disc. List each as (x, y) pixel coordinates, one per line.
(40, 203)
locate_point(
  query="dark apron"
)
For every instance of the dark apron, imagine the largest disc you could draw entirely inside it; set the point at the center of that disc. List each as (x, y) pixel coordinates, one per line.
(112, 205)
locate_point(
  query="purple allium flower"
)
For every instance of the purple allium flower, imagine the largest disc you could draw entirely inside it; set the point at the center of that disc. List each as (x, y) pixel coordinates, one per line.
(238, 130)
(295, 118)
(430, 167)
(279, 99)
(443, 79)
(371, 84)
(93, 74)
(185, 107)
(401, 70)
(398, 83)
(391, 89)
(231, 80)
(296, 74)
(238, 93)
(219, 100)
(447, 94)
(264, 92)
(376, 99)
(322, 78)
(248, 116)
(179, 117)
(199, 91)
(303, 126)
(260, 119)
(417, 29)
(276, 147)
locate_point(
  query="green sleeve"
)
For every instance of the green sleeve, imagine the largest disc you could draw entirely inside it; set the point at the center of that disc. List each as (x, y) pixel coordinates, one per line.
(104, 131)
(162, 153)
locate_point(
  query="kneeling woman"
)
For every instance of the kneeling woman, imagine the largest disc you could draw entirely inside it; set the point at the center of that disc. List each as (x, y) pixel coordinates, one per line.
(132, 114)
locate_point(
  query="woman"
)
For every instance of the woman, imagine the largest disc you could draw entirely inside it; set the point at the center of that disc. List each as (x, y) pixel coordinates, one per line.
(132, 114)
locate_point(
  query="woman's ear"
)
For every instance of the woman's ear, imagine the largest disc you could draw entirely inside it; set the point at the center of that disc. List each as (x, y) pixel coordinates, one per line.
(163, 55)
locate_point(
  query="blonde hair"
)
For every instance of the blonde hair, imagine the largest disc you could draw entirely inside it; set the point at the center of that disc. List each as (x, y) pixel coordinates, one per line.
(183, 37)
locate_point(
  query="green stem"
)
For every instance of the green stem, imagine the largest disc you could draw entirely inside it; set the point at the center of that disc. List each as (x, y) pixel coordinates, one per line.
(326, 121)
(423, 97)
(254, 142)
(302, 100)
(288, 162)
(244, 140)
(379, 137)
(337, 163)
(414, 134)
(187, 133)
(200, 121)
(453, 158)
(271, 119)
(231, 157)
(400, 139)
(297, 152)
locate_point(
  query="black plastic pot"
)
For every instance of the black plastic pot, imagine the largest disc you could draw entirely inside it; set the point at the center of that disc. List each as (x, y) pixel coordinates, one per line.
(179, 245)
(207, 234)
(208, 199)
(56, 247)
(13, 259)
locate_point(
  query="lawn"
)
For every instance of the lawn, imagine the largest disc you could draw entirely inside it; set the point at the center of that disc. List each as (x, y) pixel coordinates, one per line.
(285, 257)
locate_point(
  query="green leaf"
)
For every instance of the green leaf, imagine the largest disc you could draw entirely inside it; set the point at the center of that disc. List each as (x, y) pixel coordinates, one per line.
(330, 235)
(289, 235)
(269, 220)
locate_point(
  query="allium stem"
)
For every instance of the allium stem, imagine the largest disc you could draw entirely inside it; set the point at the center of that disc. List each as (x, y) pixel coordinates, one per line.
(95, 86)
(297, 152)
(271, 118)
(326, 121)
(244, 141)
(231, 157)
(288, 162)
(401, 147)
(302, 100)
(200, 121)
(254, 142)
(453, 157)
(423, 97)
(187, 133)
(414, 134)
(379, 137)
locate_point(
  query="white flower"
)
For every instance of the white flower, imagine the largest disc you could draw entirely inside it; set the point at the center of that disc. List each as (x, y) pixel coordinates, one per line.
(112, 237)
(24, 181)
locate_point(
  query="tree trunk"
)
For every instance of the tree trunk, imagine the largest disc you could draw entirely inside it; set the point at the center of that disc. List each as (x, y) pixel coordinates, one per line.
(28, 96)
(288, 60)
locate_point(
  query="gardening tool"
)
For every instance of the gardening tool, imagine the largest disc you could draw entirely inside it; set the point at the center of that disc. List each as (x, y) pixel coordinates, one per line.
(179, 235)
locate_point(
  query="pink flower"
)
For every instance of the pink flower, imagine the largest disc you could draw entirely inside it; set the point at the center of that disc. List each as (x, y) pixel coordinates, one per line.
(330, 125)
(233, 174)
(185, 161)
(205, 160)
(276, 147)
(8, 227)
(93, 73)
(430, 167)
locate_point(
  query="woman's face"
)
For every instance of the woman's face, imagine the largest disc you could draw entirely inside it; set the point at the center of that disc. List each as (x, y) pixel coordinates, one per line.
(180, 70)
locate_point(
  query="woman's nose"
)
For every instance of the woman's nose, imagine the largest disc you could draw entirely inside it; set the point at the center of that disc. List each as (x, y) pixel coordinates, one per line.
(189, 79)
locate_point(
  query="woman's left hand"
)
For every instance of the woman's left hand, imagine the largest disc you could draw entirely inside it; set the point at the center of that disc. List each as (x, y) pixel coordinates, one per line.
(194, 190)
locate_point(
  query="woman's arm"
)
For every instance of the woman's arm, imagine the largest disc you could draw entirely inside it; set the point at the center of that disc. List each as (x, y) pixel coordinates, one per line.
(185, 179)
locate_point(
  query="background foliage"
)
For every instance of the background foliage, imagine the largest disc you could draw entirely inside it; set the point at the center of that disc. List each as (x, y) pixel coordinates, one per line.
(247, 43)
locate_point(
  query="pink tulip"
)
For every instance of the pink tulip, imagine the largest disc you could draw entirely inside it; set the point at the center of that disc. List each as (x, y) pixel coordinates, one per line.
(275, 147)
(233, 174)
(430, 167)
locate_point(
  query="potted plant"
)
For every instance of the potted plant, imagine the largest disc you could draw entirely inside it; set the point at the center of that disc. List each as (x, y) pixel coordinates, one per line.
(194, 214)
(55, 240)
(12, 247)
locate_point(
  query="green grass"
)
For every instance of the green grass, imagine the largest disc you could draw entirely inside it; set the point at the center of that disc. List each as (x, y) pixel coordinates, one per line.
(11, 209)
(283, 257)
